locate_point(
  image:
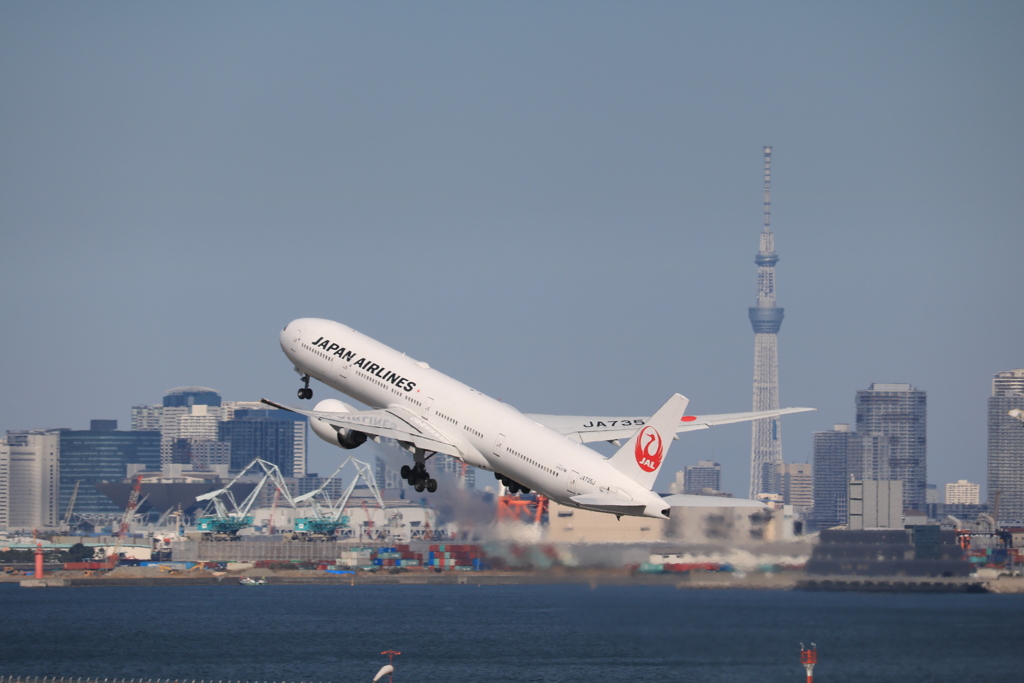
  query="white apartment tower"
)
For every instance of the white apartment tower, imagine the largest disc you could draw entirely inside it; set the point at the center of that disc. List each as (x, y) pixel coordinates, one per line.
(1006, 448)
(963, 492)
(30, 479)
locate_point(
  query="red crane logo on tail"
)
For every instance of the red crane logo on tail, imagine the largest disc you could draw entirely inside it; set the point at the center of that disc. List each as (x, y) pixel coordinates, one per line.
(649, 449)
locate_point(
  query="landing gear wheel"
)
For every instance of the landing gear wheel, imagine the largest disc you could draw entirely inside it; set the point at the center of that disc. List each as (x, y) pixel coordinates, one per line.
(431, 485)
(305, 392)
(406, 472)
(419, 486)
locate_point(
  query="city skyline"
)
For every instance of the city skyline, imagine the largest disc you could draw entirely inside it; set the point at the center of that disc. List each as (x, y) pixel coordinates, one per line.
(553, 203)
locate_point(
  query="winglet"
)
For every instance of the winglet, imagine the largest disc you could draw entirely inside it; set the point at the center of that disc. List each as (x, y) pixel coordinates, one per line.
(642, 456)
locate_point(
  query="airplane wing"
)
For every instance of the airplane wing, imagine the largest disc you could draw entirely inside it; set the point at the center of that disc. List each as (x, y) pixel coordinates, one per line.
(589, 429)
(388, 422)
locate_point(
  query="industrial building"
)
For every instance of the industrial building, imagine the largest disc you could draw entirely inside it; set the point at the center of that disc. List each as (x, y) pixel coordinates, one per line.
(876, 504)
(726, 525)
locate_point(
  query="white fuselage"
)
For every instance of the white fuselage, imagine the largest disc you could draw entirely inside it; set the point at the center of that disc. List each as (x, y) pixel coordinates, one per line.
(488, 433)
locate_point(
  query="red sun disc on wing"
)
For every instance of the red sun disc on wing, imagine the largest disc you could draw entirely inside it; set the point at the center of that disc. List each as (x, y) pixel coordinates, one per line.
(649, 449)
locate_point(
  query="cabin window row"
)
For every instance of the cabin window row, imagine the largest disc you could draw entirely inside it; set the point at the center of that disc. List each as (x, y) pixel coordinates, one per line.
(385, 385)
(531, 461)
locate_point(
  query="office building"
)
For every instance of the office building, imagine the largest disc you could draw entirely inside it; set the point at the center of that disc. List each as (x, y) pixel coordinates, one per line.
(265, 434)
(892, 418)
(797, 486)
(190, 413)
(146, 418)
(102, 453)
(963, 492)
(702, 478)
(386, 476)
(1006, 448)
(30, 479)
(832, 452)
(457, 470)
(191, 424)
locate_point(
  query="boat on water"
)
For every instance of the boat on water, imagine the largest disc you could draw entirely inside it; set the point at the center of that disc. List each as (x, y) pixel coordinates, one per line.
(249, 581)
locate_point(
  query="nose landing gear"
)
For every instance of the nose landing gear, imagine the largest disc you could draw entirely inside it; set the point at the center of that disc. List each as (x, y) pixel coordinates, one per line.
(305, 392)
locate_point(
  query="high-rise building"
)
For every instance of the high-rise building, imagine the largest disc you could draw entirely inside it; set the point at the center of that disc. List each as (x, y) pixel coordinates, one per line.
(766, 319)
(459, 471)
(831, 467)
(962, 492)
(146, 418)
(1006, 448)
(30, 479)
(892, 418)
(265, 434)
(386, 476)
(704, 477)
(191, 424)
(190, 413)
(797, 485)
(101, 453)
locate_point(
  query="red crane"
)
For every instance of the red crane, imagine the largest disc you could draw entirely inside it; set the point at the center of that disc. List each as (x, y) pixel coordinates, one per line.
(126, 521)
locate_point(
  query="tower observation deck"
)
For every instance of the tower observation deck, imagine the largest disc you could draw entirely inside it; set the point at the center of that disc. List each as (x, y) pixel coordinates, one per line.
(766, 319)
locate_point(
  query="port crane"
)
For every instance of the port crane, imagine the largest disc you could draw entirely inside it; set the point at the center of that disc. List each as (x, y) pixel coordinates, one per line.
(65, 525)
(328, 516)
(126, 521)
(228, 521)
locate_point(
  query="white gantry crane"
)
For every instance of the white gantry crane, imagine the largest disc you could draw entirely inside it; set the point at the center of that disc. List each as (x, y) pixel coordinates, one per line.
(232, 517)
(328, 516)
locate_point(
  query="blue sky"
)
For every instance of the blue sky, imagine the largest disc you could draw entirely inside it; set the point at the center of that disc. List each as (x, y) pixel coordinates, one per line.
(557, 203)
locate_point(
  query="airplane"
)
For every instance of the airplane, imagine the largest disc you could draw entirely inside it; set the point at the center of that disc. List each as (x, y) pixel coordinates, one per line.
(427, 413)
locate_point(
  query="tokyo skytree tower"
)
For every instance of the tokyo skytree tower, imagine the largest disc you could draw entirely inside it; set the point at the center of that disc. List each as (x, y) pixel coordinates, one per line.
(766, 319)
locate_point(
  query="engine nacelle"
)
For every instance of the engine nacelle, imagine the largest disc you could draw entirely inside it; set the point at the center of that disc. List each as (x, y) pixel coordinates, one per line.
(346, 438)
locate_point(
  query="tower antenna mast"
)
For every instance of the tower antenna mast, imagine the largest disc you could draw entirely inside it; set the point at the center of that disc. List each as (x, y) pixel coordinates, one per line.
(766, 319)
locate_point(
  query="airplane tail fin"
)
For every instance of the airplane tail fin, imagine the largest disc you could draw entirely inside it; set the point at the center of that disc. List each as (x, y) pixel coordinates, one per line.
(642, 456)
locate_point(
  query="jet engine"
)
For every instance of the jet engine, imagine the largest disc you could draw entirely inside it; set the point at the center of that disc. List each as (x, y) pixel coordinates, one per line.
(346, 438)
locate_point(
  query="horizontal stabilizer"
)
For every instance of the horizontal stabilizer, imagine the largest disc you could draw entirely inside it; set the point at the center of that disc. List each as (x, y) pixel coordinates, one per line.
(684, 500)
(608, 502)
(587, 429)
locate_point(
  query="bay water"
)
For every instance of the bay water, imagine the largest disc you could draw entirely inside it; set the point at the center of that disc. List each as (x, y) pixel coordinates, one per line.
(571, 633)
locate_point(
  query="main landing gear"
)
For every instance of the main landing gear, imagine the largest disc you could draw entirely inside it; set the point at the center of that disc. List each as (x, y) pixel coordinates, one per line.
(418, 477)
(513, 487)
(305, 392)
